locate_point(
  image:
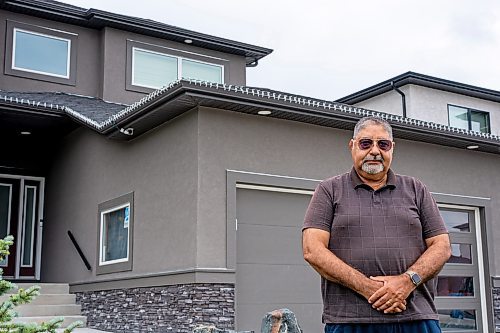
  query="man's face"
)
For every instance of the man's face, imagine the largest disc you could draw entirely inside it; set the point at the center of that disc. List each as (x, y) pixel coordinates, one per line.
(372, 162)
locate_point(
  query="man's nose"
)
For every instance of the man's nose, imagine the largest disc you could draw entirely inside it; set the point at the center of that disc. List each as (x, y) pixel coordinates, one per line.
(375, 150)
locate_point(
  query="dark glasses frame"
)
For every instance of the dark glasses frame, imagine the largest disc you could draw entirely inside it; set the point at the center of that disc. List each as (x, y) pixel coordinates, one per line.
(382, 144)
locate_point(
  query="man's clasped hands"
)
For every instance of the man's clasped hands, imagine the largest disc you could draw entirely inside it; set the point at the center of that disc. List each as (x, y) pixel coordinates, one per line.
(389, 293)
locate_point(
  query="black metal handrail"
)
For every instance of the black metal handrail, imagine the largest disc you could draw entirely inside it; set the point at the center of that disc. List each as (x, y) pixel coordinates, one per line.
(80, 252)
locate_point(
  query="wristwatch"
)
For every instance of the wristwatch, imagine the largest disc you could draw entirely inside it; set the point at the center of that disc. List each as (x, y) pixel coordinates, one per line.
(414, 277)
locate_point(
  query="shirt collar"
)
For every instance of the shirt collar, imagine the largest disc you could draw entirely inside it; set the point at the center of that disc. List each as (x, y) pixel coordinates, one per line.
(391, 179)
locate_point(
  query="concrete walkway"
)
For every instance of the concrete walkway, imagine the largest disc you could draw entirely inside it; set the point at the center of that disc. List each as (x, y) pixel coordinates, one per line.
(83, 330)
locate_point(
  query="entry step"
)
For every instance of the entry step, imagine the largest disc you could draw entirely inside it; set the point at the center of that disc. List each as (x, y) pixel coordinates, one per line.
(46, 288)
(43, 319)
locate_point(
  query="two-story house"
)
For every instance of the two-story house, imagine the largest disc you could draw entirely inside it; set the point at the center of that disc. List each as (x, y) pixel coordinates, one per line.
(139, 168)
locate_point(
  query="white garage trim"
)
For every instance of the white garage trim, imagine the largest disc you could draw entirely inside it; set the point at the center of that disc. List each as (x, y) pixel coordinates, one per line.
(271, 175)
(273, 189)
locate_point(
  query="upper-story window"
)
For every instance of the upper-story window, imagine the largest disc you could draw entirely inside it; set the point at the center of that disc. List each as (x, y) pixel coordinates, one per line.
(469, 119)
(40, 53)
(152, 67)
(52, 53)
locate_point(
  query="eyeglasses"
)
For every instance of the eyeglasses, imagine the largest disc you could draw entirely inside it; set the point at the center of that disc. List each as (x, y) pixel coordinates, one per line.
(383, 144)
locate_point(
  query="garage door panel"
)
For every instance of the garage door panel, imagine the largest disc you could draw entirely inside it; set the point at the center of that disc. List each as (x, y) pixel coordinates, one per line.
(308, 316)
(277, 284)
(270, 270)
(260, 244)
(271, 208)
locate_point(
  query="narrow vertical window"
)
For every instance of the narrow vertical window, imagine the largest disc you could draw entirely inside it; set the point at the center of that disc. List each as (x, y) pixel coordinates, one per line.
(5, 213)
(29, 222)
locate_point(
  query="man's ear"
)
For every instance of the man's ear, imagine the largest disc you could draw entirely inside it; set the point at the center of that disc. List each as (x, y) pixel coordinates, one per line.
(351, 144)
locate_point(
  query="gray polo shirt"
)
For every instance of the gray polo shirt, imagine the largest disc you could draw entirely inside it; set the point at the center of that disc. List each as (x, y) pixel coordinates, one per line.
(378, 232)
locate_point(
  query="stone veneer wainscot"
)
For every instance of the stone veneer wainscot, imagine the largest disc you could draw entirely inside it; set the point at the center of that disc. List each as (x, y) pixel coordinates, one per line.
(176, 308)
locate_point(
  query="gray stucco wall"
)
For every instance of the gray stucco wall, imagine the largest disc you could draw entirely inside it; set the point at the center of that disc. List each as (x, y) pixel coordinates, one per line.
(257, 144)
(178, 175)
(160, 168)
(389, 102)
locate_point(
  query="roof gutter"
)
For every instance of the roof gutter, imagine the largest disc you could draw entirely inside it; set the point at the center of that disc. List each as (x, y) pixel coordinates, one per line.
(403, 97)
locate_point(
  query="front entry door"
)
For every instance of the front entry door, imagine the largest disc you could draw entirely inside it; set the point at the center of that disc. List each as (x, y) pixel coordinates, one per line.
(20, 216)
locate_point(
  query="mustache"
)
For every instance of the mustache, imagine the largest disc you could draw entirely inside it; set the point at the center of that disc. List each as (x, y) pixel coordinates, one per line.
(373, 158)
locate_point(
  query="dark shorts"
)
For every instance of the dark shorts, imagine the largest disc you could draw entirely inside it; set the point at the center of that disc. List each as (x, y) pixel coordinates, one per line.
(419, 326)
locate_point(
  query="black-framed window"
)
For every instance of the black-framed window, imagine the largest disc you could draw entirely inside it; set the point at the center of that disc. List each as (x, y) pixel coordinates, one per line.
(115, 230)
(55, 51)
(469, 119)
(151, 67)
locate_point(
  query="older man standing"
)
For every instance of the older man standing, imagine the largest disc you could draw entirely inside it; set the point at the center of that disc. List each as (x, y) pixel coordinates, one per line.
(378, 240)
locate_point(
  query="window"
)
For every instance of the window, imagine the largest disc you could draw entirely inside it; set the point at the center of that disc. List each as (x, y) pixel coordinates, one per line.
(55, 51)
(469, 119)
(152, 67)
(52, 53)
(201, 71)
(115, 235)
(154, 70)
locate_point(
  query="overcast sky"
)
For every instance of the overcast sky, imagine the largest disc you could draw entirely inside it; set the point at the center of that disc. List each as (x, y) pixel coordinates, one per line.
(331, 48)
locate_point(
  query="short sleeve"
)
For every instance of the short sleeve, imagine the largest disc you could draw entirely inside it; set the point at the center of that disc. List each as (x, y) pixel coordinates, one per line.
(320, 212)
(432, 222)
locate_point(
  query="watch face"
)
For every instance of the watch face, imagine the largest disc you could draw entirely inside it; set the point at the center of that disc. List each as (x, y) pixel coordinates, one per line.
(416, 279)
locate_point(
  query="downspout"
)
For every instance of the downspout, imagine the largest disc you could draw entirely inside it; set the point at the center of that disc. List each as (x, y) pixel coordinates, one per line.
(253, 63)
(403, 97)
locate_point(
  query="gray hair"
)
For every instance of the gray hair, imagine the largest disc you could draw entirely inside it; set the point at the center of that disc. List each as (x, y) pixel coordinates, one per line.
(372, 120)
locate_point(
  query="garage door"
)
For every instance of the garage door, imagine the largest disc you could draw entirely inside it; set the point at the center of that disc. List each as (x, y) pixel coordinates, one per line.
(270, 271)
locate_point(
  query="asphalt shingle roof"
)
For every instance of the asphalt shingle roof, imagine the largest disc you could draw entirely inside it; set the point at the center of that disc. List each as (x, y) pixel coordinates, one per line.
(89, 107)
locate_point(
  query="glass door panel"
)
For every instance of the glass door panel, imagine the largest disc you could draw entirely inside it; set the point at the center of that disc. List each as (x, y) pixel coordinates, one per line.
(28, 229)
(9, 215)
(5, 213)
(29, 217)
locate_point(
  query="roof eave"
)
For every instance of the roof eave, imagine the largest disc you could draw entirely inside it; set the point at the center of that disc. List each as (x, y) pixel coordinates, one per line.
(187, 96)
